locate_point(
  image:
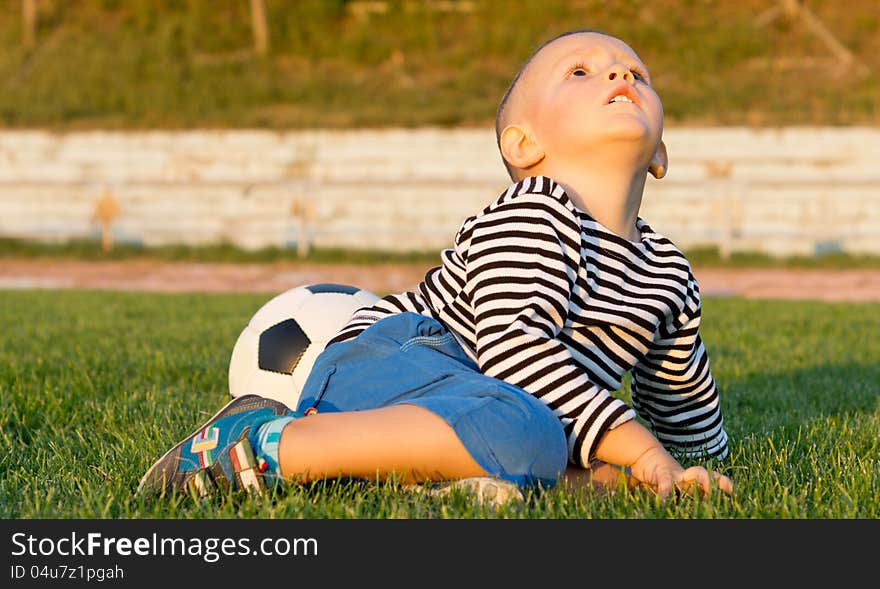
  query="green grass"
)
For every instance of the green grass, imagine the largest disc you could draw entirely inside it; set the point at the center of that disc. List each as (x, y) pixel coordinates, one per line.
(171, 64)
(94, 386)
(90, 250)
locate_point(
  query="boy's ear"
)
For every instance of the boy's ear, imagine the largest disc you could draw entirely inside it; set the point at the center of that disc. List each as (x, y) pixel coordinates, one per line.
(519, 148)
(660, 162)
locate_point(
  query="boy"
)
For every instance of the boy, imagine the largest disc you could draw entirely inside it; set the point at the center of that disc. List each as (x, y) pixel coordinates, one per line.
(501, 363)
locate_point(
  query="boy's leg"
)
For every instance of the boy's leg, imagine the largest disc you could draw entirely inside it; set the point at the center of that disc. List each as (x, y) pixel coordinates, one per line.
(238, 446)
(403, 440)
(474, 425)
(401, 398)
(232, 449)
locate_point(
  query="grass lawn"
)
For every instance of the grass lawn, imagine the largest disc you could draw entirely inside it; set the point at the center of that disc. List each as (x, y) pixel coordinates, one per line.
(90, 250)
(94, 386)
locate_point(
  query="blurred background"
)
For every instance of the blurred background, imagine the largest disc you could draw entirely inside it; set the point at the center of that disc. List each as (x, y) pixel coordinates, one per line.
(291, 127)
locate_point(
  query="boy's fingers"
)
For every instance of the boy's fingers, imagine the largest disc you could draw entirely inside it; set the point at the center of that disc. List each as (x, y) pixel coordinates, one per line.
(722, 482)
(700, 476)
(665, 485)
(694, 475)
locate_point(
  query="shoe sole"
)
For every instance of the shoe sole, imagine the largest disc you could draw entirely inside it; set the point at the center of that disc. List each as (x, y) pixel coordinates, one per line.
(487, 490)
(219, 414)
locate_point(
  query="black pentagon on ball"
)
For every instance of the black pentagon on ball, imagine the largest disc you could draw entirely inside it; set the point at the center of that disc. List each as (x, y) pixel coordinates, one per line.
(328, 287)
(281, 347)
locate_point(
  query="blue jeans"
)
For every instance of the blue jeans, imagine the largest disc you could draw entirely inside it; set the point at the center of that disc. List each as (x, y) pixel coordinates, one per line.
(408, 358)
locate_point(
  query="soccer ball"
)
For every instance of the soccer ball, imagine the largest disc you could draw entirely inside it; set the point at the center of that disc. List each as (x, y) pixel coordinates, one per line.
(275, 351)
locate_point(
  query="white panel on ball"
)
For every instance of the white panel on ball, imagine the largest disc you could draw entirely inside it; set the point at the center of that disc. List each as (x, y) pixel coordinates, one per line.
(275, 351)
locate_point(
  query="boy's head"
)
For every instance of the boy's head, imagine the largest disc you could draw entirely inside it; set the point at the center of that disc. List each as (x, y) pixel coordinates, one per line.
(579, 92)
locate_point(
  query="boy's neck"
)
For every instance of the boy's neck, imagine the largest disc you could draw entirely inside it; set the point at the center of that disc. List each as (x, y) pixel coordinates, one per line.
(610, 197)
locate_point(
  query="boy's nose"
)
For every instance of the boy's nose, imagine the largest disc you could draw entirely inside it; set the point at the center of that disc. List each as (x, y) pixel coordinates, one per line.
(618, 71)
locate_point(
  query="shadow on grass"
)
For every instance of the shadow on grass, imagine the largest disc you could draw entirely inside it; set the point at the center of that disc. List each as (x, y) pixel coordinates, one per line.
(791, 398)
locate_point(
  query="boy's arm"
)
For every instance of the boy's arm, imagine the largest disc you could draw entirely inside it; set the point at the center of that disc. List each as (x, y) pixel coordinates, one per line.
(630, 453)
(632, 445)
(674, 391)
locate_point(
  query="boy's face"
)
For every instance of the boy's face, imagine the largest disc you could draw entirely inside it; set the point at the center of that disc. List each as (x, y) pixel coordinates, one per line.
(586, 92)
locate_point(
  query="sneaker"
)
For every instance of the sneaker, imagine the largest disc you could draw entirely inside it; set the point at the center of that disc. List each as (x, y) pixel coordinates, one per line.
(490, 490)
(219, 454)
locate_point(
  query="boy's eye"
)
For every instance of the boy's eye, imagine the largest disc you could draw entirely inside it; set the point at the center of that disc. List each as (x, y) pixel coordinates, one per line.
(578, 69)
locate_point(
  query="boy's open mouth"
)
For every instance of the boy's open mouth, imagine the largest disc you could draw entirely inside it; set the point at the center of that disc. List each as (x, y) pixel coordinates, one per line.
(623, 93)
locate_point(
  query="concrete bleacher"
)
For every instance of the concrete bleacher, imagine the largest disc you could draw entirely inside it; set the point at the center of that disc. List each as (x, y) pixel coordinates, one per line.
(780, 191)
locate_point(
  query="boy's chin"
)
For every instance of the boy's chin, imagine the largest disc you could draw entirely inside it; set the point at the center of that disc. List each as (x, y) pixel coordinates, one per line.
(630, 128)
(630, 139)
(626, 144)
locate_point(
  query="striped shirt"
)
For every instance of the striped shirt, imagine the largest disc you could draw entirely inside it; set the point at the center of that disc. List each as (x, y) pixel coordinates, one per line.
(543, 296)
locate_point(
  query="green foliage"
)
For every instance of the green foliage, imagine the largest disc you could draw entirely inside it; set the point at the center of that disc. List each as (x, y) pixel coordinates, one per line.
(222, 252)
(90, 249)
(94, 386)
(167, 64)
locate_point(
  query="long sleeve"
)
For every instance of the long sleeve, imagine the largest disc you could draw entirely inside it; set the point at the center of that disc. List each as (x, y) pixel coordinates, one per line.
(674, 391)
(522, 261)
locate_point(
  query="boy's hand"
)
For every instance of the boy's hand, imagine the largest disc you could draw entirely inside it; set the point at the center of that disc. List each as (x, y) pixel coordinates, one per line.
(659, 470)
(632, 444)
